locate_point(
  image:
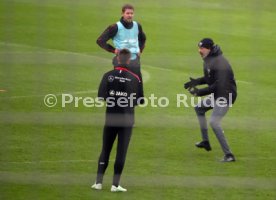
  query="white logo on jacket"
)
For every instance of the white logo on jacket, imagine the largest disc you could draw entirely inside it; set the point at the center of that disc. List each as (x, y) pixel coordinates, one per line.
(208, 70)
(111, 92)
(122, 94)
(122, 79)
(110, 78)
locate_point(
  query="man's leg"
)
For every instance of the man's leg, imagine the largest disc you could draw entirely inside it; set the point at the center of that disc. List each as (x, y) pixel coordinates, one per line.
(135, 67)
(124, 136)
(201, 109)
(109, 136)
(215, 122)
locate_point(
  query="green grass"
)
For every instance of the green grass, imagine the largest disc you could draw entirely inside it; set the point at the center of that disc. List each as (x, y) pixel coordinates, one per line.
(51, 153)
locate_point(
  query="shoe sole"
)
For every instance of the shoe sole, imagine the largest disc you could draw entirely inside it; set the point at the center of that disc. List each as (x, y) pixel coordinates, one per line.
(228, 160)
(207, 149)
(96, 188)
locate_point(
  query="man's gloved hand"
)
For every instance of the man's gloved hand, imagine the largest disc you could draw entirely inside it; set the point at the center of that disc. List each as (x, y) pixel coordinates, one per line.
(194, 91)
(192, 83)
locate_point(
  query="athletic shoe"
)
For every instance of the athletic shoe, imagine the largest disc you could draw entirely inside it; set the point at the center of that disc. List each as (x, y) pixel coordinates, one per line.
(228, 158)
(117, 189)
(204, 144)
(97, 186)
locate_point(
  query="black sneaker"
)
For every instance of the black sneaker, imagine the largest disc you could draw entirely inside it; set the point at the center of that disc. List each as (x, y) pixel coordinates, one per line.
(204, 144)
(228, 158)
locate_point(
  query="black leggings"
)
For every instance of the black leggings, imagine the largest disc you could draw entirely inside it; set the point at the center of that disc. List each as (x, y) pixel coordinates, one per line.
(109, 136)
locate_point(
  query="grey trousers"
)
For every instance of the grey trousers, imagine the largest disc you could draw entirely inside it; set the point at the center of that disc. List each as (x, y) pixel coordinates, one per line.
(215, 121)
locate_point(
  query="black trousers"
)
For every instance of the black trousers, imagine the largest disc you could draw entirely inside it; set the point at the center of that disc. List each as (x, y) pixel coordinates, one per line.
(109, 136)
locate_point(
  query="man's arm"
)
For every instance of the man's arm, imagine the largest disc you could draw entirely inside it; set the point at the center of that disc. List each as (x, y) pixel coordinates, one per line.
(194, 82)
(142, 38)
(207, 90)
(109, 33)
(220, 75)
(201, 80)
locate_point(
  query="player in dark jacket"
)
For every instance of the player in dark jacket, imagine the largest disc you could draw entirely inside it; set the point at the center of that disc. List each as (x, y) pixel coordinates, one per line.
(121, 89)
(219, 77)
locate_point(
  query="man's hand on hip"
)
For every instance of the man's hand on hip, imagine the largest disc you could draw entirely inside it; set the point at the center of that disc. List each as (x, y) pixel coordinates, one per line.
(117, 51)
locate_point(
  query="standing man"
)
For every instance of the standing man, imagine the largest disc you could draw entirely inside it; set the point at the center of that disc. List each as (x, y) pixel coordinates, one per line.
(219, 77)
(128, 34)
(121, 89)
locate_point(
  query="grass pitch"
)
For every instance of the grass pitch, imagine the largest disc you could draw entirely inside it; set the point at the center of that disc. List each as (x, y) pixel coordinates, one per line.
(48, 47)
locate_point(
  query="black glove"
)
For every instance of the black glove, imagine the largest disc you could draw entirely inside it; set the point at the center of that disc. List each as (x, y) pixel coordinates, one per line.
(194, 91)
(192, 83)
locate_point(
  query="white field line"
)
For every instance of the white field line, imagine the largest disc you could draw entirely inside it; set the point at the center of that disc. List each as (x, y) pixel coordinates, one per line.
(159, 68)
(98, 57)
(71, 52)
(244, 82)
(52, 50)
(146, 75)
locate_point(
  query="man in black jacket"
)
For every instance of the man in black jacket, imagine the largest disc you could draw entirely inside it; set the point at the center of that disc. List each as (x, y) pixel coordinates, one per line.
(121, 89)
(219, 77)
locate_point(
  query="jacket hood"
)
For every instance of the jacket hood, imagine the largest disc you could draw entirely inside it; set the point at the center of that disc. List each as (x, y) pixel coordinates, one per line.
(216, 51)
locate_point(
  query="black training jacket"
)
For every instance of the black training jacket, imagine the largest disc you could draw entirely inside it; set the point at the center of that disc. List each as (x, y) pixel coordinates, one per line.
(117, 84)
(219, 76)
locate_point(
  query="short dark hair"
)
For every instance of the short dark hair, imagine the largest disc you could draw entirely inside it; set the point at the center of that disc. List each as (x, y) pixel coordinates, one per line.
(127, 6)
(124, 56)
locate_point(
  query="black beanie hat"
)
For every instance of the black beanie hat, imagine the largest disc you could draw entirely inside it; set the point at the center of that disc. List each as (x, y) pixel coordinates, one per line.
(206, 43)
